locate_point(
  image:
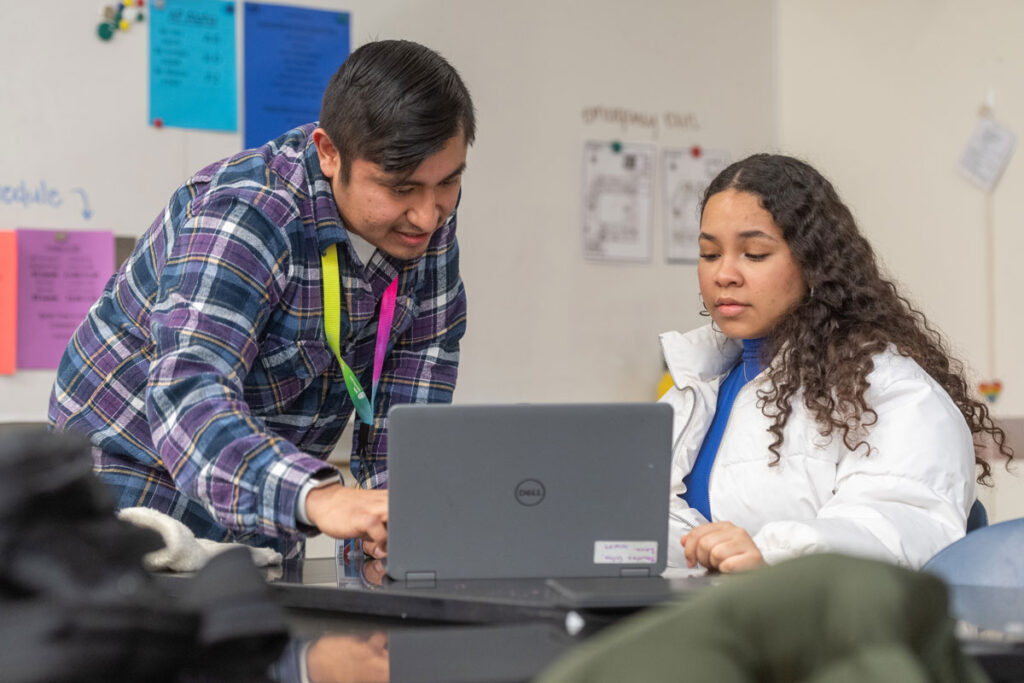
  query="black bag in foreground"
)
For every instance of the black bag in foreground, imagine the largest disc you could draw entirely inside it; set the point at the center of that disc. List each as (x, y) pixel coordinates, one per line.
(76, 603)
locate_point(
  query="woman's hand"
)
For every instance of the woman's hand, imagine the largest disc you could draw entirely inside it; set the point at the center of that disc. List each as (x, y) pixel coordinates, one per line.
(722, 546)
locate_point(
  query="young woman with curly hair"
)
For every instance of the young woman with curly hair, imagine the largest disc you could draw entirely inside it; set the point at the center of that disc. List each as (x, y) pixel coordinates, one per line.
(820, 412)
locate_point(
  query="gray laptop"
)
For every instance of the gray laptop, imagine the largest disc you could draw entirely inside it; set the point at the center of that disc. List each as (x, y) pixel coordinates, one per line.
(528, 491)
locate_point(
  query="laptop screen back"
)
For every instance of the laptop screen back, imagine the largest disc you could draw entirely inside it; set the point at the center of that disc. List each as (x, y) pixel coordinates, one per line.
(528, 491)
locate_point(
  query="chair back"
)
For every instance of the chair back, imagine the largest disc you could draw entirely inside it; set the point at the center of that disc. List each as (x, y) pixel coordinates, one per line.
(977, 517)
(990, 556)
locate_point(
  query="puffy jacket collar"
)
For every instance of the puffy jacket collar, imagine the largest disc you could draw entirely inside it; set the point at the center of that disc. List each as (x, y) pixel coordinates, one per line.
(702, 354)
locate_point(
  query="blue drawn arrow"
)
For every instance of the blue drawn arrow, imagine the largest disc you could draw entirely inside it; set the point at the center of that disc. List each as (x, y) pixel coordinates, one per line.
(86, 211)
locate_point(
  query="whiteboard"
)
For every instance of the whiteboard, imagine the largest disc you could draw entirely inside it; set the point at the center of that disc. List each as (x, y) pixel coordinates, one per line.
(546, 76)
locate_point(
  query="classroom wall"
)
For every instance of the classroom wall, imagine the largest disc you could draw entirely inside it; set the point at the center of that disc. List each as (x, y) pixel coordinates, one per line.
(544, 325)
(883, 97)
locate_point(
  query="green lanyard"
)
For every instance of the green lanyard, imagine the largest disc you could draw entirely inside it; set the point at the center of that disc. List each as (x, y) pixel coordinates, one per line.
(332, 323)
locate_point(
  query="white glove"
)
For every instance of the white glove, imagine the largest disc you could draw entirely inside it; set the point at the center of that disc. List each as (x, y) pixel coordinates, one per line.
(182, 551)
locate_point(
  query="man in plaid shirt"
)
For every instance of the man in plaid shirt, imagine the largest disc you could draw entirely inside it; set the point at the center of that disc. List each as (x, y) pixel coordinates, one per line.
(203, 375)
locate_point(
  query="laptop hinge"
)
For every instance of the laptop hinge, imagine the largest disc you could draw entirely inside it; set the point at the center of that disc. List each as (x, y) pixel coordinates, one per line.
(635, 571)
(421, 579)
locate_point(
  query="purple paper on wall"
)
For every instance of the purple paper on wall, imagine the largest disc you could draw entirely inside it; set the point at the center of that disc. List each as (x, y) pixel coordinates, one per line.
(60, 275)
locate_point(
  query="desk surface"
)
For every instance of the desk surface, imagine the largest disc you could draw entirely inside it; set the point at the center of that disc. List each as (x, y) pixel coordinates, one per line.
(401, 651)
(351, 617)
(359, 586)
(348, 622)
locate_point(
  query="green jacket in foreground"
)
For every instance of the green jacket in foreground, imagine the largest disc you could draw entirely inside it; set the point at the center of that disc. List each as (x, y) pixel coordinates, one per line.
(816, 619)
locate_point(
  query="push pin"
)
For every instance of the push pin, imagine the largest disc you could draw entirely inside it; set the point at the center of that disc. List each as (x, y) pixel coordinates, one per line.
(116, 18)
(696, 152)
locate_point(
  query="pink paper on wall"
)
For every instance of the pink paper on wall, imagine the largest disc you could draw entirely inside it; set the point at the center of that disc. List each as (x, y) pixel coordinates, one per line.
(60, 275)
(8, 300)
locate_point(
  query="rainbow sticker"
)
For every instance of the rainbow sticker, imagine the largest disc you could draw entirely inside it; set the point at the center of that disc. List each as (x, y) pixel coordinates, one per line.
(991, 389)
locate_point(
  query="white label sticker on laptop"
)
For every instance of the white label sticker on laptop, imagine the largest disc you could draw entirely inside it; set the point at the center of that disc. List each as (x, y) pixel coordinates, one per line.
(625, 552)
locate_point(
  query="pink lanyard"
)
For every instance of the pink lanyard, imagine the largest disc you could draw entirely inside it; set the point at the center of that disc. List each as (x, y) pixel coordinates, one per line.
(332, 327)
(387, 314)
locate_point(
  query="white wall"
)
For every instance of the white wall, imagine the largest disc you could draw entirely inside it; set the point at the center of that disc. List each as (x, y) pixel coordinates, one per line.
(73, 113)
(544, 325)
(882, 97)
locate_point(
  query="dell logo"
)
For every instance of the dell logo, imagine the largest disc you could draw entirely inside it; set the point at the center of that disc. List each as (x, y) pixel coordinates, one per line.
(529, 492)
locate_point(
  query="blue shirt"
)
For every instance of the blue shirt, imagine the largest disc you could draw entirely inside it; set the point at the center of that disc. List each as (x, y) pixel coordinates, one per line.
(696, 494)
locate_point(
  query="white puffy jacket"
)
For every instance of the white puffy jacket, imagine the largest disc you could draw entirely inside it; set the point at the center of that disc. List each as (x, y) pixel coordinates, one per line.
(903, 502)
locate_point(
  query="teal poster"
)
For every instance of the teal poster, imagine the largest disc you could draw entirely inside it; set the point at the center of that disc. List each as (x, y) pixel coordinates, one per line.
(192, 68)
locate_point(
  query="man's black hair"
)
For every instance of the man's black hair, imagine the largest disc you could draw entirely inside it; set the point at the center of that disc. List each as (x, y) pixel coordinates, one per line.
(394, 103)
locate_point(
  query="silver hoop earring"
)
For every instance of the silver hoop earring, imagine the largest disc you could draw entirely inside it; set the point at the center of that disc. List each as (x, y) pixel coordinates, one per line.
(703, 307)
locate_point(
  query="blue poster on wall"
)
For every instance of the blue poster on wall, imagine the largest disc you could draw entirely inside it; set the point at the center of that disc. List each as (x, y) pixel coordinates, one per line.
(290, 55)
(192, 78)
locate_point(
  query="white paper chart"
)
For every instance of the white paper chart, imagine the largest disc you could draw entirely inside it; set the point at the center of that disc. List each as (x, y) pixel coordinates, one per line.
(618, 198)
(687, 174)
(987, 153)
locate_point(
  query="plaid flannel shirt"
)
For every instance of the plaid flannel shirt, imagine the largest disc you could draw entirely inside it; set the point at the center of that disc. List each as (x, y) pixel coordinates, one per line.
(203, 376)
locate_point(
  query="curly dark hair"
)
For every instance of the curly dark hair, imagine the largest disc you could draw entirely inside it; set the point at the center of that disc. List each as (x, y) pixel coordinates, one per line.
(826, 341)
